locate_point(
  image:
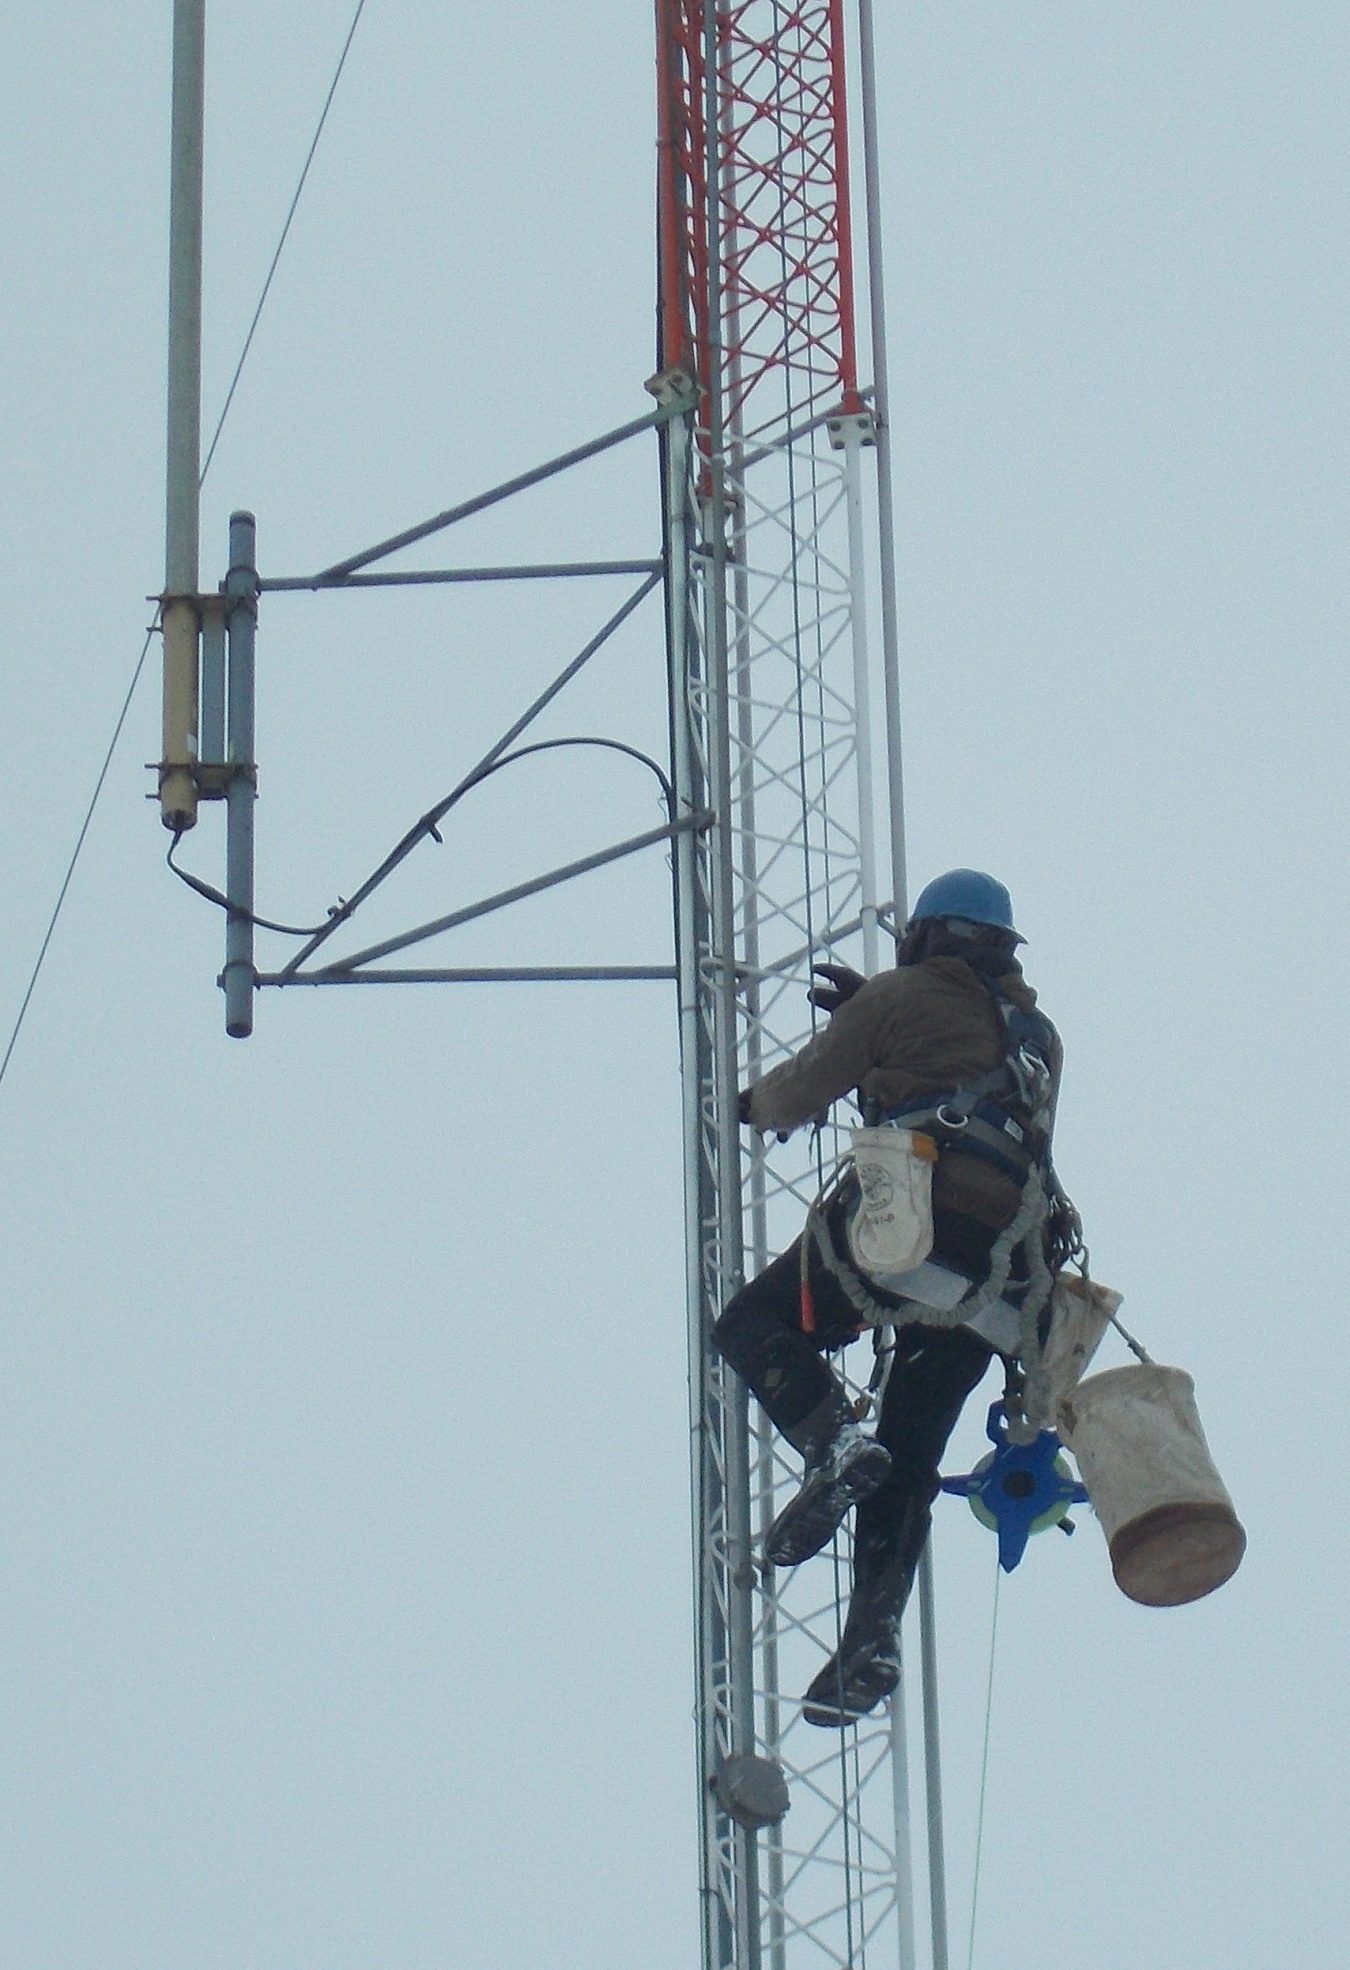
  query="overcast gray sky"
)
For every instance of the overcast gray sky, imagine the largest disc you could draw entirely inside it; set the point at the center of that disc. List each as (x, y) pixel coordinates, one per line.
(345, 1588)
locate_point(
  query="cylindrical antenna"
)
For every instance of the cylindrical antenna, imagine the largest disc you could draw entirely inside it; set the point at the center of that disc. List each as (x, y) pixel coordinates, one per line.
(177, 781)
(241, 587)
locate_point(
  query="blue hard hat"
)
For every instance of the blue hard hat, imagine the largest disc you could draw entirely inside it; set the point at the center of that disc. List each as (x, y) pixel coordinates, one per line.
(969, 895)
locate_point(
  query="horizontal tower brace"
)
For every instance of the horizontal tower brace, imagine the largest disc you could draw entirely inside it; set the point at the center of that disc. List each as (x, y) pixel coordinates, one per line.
(689, 824)
(535, 571)
(558, 974)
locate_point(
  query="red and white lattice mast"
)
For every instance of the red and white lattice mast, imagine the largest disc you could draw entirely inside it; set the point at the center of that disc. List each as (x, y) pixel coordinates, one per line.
(773, 532)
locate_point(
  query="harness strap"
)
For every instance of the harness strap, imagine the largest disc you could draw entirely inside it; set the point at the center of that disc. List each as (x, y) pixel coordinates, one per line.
(979, 1116)
(870, 1311)
(983, 1129)
(1022, 1148)
(1029, 1413)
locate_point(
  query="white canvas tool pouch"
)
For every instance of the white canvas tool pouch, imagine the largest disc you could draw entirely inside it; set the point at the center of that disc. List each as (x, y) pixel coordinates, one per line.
(892, 1228)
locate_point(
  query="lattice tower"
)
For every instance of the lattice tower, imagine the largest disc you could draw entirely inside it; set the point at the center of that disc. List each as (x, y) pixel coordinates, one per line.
(768, 541)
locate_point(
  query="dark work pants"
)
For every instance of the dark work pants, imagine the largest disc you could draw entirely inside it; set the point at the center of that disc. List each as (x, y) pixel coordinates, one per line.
(933, 1370)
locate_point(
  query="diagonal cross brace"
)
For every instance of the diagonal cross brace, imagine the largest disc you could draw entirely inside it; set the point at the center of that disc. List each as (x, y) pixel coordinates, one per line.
(691, 823)
(428, 821)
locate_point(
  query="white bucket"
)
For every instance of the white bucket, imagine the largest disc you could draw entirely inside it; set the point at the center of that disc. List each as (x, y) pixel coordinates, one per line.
(1170, 1526)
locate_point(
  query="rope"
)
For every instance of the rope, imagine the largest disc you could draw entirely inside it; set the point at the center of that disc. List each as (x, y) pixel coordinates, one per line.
(267, 284)
(1137, 1348)
(984, 1773)
(79, 843)
(1025, 1230)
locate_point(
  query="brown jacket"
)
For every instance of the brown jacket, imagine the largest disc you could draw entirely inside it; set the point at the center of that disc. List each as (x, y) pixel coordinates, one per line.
(925, 1028)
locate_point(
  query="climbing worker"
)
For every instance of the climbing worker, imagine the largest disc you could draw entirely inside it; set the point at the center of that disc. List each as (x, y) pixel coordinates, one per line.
(950, 1047)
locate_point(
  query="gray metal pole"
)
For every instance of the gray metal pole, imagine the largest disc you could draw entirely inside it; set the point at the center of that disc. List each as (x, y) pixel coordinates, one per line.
(177, 782)
(736, 1413)
(937, 1860)
(895, 784)
(904, 1846)
(214, 610)
(699, 1206)
(881, 400)
(241, 585)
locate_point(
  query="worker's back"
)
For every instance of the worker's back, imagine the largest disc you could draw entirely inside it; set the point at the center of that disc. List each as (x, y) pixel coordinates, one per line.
(924, 1029)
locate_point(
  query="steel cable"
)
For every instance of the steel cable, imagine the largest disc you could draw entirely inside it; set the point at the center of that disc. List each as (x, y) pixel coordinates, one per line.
(271, 271)
(984, 1773)
(79, 841)
(425, 827)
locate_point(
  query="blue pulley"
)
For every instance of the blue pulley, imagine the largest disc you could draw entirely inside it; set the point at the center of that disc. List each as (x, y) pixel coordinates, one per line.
(1019, 1488)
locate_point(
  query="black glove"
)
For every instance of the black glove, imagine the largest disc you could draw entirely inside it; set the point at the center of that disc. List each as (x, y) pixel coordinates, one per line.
(743, 1107)
(844, 981)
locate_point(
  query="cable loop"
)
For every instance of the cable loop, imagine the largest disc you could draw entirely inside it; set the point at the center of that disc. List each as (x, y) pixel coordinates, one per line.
(342, 911)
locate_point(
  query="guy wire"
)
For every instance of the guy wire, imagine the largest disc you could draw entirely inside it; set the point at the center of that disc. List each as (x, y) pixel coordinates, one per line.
(267, 284)
(79, 840)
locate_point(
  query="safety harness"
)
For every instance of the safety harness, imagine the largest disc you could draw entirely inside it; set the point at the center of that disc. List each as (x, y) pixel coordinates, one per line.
(1005, 1115)
(1005, 1118)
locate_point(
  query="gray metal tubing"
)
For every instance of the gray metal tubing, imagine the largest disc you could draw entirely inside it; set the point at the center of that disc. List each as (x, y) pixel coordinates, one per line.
(890, 632)
(904, 1845)
(736, 1419)
(937, 1862)
(213, 687)
(422, 577)
(239, 975)
(341, 569)
(508, 739)
(185, 298)
(177, 780)
(516, 895)
(895, 787)
(559, 974)
(703, 1470)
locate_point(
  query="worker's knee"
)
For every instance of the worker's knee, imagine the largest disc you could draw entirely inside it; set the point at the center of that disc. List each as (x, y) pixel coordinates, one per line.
(723, 1336)
(740, 1326)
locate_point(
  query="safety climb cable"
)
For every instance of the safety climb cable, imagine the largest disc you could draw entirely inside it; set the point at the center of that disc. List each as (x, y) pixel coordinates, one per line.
(79, 840)
(840, 1596)
(984, 1774)
(271, 271)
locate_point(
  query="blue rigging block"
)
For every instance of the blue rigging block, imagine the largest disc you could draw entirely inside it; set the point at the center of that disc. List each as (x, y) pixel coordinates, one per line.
(1019, 1488)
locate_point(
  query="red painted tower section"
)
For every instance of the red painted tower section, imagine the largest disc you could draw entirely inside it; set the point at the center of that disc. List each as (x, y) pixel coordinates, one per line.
(778, 249)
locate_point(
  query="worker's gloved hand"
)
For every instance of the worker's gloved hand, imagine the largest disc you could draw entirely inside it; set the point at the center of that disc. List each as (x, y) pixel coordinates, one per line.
(743, 1100)
(844, 981)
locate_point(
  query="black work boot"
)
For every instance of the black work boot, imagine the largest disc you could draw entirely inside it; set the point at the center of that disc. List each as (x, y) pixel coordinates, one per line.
(843, 1465)
(867, 1666)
